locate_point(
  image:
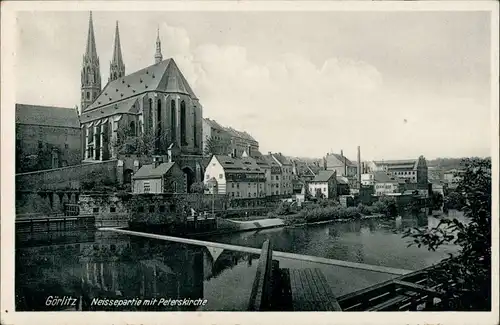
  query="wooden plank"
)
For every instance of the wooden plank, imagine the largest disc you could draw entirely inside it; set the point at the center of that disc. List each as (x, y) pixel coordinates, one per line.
(311, 292)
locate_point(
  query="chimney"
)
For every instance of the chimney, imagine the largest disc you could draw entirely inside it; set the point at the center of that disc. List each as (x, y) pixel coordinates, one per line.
(359, 166)
(324, 163)
(269, 153)
(156, 161)
(344, 162)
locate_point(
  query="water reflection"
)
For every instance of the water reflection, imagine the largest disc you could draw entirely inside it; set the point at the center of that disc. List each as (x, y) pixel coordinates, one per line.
(370, 241)
(87, 265)
(116, 266)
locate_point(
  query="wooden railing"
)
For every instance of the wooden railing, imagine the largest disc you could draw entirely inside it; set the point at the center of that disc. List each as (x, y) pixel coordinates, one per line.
(261, 289)
(404, 293)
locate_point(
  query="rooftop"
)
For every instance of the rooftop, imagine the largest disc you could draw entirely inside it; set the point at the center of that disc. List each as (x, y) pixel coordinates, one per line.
(335, 159)
(47, 116)
(324, 176)
(150, 171)
(164, 76)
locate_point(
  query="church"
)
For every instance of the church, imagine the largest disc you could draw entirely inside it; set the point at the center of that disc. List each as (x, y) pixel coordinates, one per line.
(150, 113)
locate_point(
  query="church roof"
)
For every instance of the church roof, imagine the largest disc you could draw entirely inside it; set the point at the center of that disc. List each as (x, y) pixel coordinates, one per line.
(90, 50)
(129, 105)
(47, 116)
(164, 76)
(117, 50)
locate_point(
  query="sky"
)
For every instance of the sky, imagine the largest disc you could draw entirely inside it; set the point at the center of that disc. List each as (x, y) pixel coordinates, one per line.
(399, 84)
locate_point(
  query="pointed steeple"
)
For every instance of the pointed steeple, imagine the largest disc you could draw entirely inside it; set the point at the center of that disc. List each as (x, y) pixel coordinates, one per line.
(91, 51)
(91, 73)
(117, 67)
(158, 55)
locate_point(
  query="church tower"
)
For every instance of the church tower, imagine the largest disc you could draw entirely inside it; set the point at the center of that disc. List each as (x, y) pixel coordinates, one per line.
(117, 67)
(91, 74)
(158, 55)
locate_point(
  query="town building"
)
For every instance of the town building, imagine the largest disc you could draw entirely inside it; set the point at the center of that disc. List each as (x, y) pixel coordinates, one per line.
(263, 164)
(341, 164)
(236, 177)
(413, 171)
(285, 164)
(143, 113)
(158, 178)
(324, 184)
(46, 137)
(383, 183)
(303, 171)
(216, 140)
(343, 187)
(221, 140)
(274, 184)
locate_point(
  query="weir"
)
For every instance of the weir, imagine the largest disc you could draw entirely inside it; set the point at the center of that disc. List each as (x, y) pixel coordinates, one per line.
(245, 249)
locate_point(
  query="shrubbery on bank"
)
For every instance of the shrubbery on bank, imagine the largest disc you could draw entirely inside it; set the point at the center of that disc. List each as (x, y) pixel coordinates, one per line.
(326, 210)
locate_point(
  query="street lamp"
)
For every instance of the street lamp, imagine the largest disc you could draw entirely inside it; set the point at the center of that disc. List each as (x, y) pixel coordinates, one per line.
(212, 183)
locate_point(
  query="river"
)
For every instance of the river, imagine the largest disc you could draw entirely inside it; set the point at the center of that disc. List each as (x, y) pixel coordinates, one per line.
(109, 265)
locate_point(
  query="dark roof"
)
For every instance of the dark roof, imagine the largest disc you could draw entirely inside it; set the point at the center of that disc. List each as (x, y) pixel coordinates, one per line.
(336, 160)
(282, 159)
(383, 177)
(324, 176)
(149, 171)
(341, 180)
(239, 134)
(398, 164)
(47, 116)
(238, 165)
(213, 124)
(164, 76)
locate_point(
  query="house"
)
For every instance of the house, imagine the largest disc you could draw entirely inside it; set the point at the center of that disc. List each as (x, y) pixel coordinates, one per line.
(340, 163)
(342, 185)
(236, 177)
(286, 173)
(274, 184)
(216, 139)
(413, 171)
(453, 177)
(263, 164)
(159, 177)
(324, 184)
(384, 183)
(302, 171)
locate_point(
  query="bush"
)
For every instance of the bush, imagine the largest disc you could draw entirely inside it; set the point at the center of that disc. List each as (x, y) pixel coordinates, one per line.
(465, 279)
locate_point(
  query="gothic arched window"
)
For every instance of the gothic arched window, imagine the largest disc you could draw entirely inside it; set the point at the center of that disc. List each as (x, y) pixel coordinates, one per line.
(173, 119)
(132, 128)
(195, 129)
(183, 123)
(150, 113)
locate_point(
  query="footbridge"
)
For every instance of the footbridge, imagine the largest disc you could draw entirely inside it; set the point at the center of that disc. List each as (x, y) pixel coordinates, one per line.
(216, 250)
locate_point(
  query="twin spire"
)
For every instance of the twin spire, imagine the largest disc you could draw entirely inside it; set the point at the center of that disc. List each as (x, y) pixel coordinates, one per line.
(117, 66)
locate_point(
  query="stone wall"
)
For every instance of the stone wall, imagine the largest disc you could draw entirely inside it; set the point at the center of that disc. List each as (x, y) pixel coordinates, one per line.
(67, 177)
(35, 143)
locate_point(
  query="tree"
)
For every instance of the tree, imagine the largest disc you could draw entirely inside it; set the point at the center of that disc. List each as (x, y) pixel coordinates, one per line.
(211, 147)
(198, 187)
(455, 200)
(144, 143)
(436, 200)
(466, 278)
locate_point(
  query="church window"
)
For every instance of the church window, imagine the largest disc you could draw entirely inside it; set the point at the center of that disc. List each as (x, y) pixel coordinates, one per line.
(195, 129)
(88, 94)
(183, 123)
(132, 128)
(150, 113)
(173, 118)
(159, 110)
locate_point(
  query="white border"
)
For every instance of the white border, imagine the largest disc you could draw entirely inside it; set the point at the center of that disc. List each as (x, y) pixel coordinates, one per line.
(8, 20)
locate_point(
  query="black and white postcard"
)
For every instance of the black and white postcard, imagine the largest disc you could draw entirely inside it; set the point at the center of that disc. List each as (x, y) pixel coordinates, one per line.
(288, 161)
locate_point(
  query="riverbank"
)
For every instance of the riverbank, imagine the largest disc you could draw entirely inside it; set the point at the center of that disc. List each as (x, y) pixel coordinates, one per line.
(295, 225)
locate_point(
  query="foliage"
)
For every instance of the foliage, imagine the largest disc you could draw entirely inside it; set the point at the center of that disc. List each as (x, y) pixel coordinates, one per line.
(455, 201)
(144, 143)
(211, 147)
(466, 278)
(198, 187)
(283, 209)
(436, 200)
